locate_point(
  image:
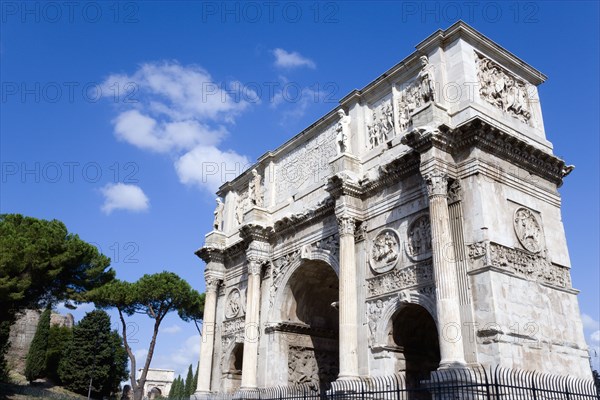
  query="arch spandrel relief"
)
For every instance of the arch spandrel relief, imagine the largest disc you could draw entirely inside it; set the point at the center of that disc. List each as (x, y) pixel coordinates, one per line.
(385, 251)
(528, 229)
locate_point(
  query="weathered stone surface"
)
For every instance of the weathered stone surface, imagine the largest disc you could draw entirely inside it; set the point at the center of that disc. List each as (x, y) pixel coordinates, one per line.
(405, 230)
(22, 332)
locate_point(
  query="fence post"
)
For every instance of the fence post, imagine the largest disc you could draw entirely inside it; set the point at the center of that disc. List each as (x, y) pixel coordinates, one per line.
(362, 390)
(487, 385)
(567, 391)
(533, 389)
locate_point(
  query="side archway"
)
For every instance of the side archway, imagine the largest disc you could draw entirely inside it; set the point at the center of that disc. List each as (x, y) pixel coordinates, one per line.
(409, 326)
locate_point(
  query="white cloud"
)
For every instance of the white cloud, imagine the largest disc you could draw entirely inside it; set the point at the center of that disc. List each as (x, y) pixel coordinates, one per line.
(589, 322)
(171, 329)
(180, 359)
(180, 110)
(140, 356)
(595, 337)
(147, 133)
(284, 59)
(210, 167)
(294, 100)
(120, 196)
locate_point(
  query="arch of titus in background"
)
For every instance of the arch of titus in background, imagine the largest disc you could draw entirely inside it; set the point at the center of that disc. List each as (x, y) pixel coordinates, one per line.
(415, 227)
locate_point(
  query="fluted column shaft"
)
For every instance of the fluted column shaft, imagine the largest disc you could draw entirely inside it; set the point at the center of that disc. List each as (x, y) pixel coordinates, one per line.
(251, 330)
(444, 267)
(208, 336)
(348, 341)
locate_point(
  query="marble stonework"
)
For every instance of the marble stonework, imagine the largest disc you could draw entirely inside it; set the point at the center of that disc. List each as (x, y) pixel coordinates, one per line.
(415, 227)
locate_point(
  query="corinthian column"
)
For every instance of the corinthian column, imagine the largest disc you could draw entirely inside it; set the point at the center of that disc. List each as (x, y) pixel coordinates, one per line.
(251, 330)
(208, 336)
(444, 268)
(348, 306)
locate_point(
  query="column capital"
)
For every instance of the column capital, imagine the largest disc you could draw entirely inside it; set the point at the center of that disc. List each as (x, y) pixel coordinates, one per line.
(437, 183)
(255, 264)
(212, 282)
(346, 225)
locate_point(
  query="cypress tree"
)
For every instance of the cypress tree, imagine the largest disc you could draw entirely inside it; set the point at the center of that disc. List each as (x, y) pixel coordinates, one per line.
(179, 389)
(35, 364)
(189, 382)
(58, 340)
(196, 377)
(95, 352)
(172, 389)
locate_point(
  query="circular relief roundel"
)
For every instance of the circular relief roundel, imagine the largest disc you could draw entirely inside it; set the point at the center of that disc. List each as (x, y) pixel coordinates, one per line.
(418, 246)
(528, 229)
(385, 251)
(233, 304)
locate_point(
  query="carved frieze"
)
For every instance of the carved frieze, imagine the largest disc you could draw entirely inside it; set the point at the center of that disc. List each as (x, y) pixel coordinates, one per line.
(522, 263)
(302, 366)
(382, 127)
(233, 326)
(241, 206)
(418, 246)
(374, 312)
(385, 251)
(278, 268)
(307, 164)
(528, 229)
(233, 305)
(398, 279)
(408, 98)
(307, 366)
(502, 89)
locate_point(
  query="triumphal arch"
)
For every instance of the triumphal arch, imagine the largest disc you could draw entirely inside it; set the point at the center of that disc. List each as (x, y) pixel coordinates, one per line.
(413, 228)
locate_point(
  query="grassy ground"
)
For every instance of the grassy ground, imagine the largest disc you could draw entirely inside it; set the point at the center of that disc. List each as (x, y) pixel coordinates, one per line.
(19, 389)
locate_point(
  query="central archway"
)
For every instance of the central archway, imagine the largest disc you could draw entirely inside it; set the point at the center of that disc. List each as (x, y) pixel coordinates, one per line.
(310, 318)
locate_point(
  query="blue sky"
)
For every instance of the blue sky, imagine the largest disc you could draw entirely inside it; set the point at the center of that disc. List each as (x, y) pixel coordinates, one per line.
(121, 164)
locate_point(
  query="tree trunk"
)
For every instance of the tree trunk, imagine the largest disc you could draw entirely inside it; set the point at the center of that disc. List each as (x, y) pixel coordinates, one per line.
(134, 385)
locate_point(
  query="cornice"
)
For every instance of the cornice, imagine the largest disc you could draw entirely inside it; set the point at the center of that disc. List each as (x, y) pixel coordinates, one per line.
(480, 134)
(210, 254)
(343, 184)
(323, 208)
(392, 172)
(251, 232)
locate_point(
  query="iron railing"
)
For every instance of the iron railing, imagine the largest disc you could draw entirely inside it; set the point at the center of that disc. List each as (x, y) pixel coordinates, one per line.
(453, 384)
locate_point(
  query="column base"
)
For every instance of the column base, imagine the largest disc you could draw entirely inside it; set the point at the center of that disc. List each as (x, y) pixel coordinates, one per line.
(456, 383)
(456, 364)
(347, 377)
(200, 395)
(248, 393)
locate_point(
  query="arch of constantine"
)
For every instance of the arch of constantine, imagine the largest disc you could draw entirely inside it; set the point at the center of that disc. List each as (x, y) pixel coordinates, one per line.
(415, 227)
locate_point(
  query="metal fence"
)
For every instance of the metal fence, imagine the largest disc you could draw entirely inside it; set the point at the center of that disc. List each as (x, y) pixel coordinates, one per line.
(456, 384)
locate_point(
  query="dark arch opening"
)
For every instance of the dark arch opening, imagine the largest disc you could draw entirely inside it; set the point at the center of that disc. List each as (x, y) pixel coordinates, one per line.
(309, 309)
(237, 356)
(232, 377)
(154, 393)
(415, 332)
